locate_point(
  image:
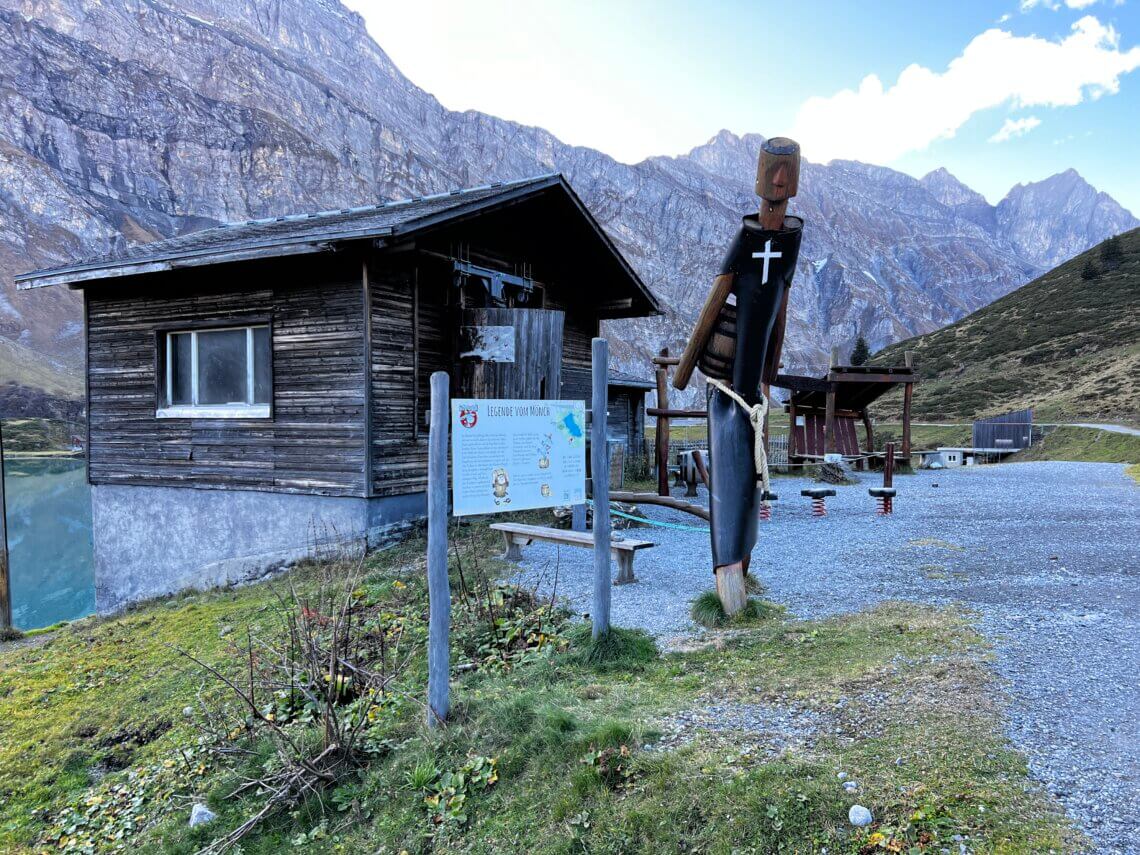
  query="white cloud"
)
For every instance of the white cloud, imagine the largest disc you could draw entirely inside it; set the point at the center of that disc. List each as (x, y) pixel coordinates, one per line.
(1026, 5)
(1015, 128)
(878, 125)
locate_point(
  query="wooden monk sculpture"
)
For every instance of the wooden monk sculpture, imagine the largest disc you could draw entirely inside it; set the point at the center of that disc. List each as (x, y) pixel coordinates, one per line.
(736, 343)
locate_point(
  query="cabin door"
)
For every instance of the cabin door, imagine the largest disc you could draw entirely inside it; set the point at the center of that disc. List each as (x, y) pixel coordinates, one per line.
(511, 353)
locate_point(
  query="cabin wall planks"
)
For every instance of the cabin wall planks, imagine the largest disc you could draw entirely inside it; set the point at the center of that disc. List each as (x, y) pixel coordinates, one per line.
(314, 440)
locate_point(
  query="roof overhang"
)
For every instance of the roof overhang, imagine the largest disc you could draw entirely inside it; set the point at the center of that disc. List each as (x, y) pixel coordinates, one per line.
(312, 239)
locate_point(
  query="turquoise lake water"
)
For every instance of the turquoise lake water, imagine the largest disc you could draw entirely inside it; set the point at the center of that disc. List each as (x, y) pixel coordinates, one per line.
(49, 540)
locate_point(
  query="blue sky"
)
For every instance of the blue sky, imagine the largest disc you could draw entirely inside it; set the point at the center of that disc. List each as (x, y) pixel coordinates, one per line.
(999, 93)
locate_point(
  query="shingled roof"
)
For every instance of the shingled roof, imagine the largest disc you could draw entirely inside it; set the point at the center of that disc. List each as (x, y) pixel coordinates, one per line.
(316, 232)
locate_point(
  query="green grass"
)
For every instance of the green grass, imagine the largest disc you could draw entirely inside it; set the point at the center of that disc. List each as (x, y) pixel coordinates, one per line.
(1065, 345)
(1087, 445)
(37, 435)
(1133, 472)
(92, 716)
(707, 611)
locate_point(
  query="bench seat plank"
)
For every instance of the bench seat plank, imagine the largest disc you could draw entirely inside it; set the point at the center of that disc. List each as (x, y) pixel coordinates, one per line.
(520, 534)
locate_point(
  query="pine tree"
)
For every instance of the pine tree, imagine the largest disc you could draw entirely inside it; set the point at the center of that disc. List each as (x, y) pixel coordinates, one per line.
(1090, 270)
(861, 353)
(1111, 253)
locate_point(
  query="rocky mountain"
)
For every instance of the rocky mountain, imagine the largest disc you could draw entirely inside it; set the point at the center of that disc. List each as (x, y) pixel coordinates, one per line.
(127, 120)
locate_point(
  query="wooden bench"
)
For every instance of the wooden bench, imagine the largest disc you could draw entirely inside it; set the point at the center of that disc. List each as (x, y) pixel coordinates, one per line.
(517, 535)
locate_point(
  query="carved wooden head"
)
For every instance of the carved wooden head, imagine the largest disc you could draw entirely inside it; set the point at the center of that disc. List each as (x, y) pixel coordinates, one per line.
(778, 171)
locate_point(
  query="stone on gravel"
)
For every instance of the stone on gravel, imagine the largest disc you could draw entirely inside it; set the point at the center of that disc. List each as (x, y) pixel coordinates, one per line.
(850, 786)
(200, 815)
(859, 816)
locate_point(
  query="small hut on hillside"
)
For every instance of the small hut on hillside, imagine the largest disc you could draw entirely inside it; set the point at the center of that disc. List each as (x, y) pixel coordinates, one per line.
(259, 388)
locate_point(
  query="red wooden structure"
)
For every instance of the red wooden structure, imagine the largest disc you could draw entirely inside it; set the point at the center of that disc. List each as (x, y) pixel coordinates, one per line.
(823, 411)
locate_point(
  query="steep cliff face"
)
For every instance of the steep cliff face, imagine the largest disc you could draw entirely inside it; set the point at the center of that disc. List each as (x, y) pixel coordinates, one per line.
(126, 120)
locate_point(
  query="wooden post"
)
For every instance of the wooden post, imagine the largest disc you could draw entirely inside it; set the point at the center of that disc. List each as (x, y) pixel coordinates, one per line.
(830, 446)
(889, 465)
(661, 446)
(578, 517)
(600, 466)
(792, 429)
(439, 590)
(5, 579)
(908, 392)
(870, 445)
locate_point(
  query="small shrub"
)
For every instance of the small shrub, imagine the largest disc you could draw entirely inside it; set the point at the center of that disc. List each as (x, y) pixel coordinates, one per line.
(708, 612)
(10, 633)
(617, 650)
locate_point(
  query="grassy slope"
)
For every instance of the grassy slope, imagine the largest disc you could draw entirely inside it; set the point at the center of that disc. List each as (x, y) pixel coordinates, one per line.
(1087, 445)
(1066, 346)
(899, 681)
(25, 367)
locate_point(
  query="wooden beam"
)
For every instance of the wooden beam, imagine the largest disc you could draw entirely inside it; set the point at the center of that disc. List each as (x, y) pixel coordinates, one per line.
(799, 383)
(791, 429)
(600, 467)
(830, 444)
(699, 462)
(439, 590)
(889, 466)
(841, 376)
(661, 440)
(870, 431)
(663, 501)
(667, 360)
(702, 330)
(675, 414)
(908, 392)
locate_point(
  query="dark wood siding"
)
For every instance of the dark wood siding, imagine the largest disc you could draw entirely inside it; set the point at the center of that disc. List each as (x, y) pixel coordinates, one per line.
(411, 338)
(314, 441)
(577, 337)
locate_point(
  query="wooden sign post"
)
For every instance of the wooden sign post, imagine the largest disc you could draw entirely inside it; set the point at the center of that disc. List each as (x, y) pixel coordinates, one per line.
(439, 590)
(600, 472)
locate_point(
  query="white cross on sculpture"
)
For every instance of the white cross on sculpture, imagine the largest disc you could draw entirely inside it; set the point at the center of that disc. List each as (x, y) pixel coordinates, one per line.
(767, 254)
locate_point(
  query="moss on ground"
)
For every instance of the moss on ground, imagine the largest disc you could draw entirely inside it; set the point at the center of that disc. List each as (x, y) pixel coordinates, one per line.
(552, 748)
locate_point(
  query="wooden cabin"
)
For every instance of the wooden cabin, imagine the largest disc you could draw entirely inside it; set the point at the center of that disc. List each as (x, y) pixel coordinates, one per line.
(260, 389)
(625, 407)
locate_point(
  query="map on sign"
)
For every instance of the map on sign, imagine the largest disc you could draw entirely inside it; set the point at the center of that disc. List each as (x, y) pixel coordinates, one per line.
(512, 455)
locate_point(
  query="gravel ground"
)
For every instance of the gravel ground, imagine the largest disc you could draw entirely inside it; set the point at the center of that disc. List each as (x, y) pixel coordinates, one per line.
(1048, 554)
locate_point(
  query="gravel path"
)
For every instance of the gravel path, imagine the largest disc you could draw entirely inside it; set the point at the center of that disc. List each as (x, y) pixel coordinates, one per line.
(1047, 553)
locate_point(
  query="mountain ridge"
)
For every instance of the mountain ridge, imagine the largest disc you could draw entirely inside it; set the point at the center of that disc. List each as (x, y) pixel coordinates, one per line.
(131, 120)
(1066, 344)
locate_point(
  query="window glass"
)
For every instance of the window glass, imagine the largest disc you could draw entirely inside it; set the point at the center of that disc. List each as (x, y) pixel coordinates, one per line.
(262, 374)
(181, 370)
(222, 372)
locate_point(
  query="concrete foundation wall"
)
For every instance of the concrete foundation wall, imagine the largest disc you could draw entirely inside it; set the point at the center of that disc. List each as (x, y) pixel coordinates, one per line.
(151, 541)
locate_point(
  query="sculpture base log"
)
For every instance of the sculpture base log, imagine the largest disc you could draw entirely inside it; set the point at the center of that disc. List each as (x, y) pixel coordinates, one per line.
(730, 588)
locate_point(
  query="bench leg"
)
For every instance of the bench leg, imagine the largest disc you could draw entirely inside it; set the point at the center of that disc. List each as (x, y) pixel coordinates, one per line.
(624, 561)
(691, 488)
(513, 552)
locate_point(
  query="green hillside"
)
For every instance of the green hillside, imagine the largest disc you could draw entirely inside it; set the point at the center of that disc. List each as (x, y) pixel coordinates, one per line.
(1066, 344)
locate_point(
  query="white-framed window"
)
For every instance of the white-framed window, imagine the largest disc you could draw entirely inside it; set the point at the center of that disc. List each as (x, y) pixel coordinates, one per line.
(216, 373)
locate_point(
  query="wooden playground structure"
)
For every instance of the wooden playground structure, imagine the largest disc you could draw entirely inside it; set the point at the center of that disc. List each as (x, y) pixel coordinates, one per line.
(822, 411)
